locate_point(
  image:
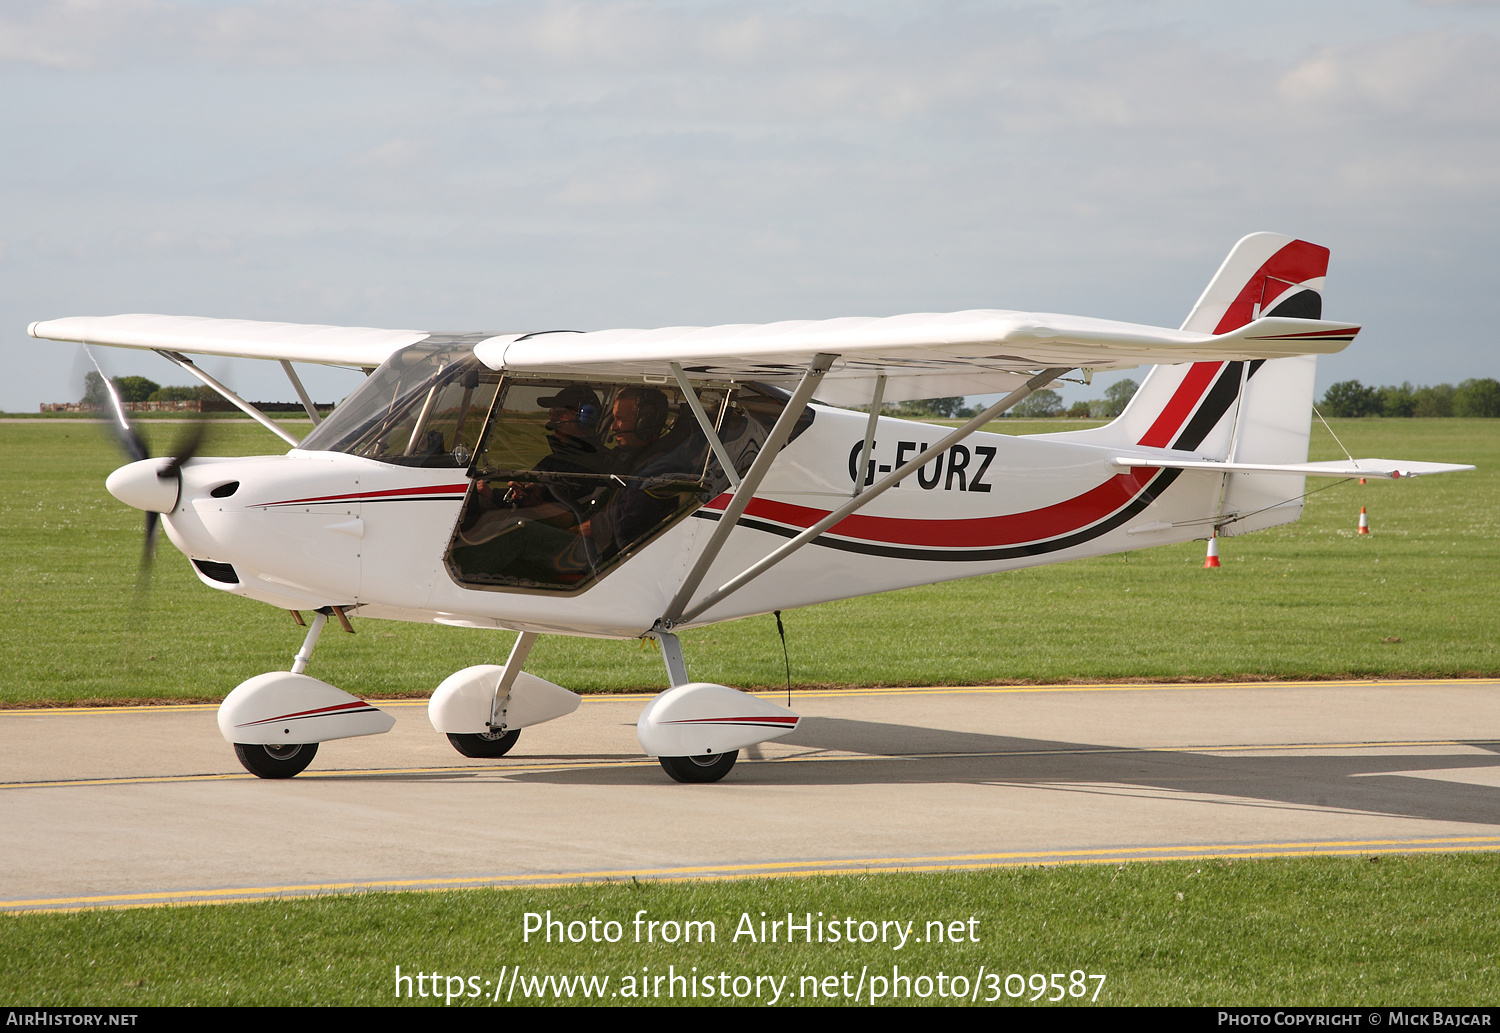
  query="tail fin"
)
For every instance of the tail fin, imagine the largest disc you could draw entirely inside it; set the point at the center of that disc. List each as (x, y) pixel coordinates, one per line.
(1192, 407)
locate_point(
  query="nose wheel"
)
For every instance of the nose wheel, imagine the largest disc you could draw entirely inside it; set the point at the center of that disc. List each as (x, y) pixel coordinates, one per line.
(279, 760)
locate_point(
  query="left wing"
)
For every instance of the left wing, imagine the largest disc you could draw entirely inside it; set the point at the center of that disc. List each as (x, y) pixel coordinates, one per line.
(243, 338)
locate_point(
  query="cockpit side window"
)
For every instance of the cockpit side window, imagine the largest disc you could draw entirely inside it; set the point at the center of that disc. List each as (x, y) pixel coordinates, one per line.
(574, 477)
(424, 407)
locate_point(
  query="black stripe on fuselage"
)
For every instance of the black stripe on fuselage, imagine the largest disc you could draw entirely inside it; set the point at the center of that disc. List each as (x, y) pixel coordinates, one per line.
(1150, 493)
(1216, 403)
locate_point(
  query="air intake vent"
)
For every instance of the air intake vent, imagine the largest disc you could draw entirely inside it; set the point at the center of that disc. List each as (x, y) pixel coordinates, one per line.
(223, 491)
(221, 572)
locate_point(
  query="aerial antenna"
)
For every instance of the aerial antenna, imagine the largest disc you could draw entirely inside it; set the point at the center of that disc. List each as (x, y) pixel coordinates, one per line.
(781, 630)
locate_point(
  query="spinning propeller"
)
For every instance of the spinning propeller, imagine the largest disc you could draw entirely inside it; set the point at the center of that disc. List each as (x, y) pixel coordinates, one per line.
(147, 483)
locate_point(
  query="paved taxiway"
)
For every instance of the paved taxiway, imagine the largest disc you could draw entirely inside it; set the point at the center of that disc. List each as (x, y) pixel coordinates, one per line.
(111, 807)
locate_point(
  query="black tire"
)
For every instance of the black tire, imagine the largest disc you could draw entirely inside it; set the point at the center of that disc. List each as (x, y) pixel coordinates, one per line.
(708, 767)
(283, 760)
(484, 744)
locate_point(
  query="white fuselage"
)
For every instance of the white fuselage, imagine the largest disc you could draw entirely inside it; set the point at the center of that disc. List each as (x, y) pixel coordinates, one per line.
(310, 529)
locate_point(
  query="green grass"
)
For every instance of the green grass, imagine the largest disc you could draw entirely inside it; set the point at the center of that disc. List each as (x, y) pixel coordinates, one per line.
(1307, 931)
(1309, 600)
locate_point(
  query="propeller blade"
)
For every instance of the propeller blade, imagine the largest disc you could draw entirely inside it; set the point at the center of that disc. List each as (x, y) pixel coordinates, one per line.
(125, 434)
(187, 447)
(153, 524)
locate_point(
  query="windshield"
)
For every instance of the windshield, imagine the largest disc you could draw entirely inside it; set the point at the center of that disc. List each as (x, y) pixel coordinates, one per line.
(425, 406)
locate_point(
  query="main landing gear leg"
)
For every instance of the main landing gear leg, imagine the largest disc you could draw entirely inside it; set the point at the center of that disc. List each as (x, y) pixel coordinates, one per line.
(707, 767)
(497, 742)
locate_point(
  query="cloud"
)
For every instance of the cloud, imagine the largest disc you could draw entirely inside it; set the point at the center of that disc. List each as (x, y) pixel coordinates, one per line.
(551, 161)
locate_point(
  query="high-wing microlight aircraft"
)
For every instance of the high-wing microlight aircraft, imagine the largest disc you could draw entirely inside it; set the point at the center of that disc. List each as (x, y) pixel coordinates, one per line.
(633, 483)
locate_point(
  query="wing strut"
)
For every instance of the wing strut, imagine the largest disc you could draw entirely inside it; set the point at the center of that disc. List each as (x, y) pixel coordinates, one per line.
(307, 403)
(707, 426)
(875, 490)
(742, 495)
(229, 396)
(864, 454)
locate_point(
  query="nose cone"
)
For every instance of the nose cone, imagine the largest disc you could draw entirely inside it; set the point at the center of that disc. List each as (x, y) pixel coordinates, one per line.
(141, 485)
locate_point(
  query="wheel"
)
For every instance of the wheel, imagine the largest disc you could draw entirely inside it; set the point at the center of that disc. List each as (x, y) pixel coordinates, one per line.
(707, 767)
(484, 744)
(283, 760)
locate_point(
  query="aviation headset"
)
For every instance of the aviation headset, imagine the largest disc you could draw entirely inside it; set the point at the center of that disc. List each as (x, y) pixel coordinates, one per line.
(651, 410)
(576, 396)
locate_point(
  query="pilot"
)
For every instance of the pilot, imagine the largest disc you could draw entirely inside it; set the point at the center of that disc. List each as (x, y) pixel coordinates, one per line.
(657, 465)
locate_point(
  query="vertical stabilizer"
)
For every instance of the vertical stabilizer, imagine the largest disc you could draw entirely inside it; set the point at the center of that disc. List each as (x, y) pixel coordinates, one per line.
(1195, 407)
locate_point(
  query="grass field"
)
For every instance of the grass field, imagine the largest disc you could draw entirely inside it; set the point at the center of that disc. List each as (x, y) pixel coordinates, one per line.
(1309, 600)
(1309, 931)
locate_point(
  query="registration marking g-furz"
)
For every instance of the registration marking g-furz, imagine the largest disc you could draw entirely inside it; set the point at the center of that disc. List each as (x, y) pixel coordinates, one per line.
(959, 463)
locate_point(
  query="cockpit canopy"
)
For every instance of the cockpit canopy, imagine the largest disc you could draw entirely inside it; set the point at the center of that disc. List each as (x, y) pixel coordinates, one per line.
(425, 406)
(569, 478)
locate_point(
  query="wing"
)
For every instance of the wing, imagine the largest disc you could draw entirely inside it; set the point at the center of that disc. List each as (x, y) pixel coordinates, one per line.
(923, 355)
(294, 342)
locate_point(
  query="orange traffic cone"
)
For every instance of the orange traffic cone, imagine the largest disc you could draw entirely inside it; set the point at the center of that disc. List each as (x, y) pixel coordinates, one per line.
(1364, 521)
(1361, 481)
(1213, 553)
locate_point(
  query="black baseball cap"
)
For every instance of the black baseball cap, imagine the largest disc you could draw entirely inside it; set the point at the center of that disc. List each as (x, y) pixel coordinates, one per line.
(574, 396)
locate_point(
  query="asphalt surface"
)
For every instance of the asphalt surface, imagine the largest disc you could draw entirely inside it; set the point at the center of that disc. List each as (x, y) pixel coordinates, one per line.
(130, 806)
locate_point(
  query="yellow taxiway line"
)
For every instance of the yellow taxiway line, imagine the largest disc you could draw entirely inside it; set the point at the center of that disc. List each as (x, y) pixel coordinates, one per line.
(842, 693)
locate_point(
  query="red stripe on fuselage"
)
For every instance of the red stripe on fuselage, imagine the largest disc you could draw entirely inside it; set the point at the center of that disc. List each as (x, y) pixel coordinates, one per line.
(372, 496)
(976, 532)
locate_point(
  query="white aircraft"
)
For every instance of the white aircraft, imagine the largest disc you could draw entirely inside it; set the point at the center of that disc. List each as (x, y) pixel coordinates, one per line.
(632, 483)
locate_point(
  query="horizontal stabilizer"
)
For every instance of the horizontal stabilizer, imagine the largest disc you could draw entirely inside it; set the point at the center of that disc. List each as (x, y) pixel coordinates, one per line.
(1391, 469)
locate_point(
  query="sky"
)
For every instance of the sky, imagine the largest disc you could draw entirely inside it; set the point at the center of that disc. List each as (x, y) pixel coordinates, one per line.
(518, 166)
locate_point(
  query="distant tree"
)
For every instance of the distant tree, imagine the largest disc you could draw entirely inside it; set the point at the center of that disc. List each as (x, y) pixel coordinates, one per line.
(1350, 398)
(93, 390)
(1045, 402)
(134, 389)
(1081, 410)
(1118, 395)
(182, 394)
(1477, 398)
(1398, 401)
(1436, 400)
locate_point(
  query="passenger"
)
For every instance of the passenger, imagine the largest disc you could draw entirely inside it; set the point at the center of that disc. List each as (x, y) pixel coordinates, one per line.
(659, 467)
